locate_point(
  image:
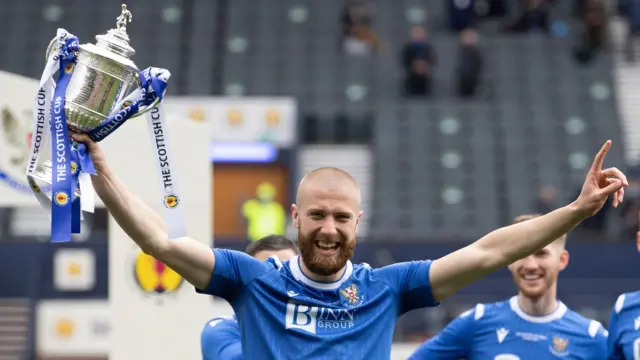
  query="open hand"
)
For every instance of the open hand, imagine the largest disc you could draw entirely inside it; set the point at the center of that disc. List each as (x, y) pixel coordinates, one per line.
(599, 184)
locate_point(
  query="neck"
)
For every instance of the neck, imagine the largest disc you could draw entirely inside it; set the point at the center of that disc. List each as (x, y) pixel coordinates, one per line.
(539, 306)
(320, 278)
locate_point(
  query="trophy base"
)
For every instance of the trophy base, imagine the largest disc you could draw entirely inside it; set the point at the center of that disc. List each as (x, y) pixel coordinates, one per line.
(45, 176)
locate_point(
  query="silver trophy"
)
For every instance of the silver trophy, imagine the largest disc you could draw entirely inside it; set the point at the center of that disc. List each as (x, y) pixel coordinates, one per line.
(103, 76)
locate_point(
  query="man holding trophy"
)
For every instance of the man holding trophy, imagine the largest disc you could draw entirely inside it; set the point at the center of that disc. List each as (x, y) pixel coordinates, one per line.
(93, 90)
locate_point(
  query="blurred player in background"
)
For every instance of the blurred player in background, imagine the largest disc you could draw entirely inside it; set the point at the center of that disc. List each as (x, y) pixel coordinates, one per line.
(624, 325)
(319, 305)
(531, 325)
(220, 339)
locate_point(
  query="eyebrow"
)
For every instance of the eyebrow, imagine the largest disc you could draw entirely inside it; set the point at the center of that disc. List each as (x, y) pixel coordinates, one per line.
(336, 213)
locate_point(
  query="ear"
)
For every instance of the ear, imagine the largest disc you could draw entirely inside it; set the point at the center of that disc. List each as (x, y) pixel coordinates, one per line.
(638, 240)
(564, 259)
(295, 215)
(358, 217)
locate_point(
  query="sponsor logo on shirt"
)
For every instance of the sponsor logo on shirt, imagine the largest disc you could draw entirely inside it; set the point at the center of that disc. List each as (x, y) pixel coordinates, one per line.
(319, 319)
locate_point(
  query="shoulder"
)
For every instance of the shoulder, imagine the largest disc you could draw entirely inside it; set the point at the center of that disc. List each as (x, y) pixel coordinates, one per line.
(626, 301)
(362, 268)
(222, 323)
(484, 312)
(241, 258)
(584, 326)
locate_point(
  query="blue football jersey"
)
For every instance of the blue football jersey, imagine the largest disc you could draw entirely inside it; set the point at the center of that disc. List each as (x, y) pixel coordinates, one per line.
(503, 331)
(220, 339)
(624, 328)
(283, 314)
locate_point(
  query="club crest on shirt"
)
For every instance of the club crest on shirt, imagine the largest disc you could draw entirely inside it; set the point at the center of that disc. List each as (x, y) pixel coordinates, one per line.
(559, 346)
(350, 296)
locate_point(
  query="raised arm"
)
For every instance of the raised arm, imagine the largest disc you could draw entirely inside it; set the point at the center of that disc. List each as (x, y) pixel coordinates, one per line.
(191, 259)
(508, 244)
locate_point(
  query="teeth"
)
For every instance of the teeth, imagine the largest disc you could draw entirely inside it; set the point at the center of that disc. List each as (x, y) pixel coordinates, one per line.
(326, 245)
(531, 277)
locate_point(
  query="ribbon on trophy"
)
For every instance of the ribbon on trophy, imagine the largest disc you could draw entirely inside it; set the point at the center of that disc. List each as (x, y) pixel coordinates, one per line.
(70, 170)
(153, 84)
(71, 165)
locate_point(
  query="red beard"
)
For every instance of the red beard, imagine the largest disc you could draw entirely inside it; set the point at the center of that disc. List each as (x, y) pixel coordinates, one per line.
(318, 263)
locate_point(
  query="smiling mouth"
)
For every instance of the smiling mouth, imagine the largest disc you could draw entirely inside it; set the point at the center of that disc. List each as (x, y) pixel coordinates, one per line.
(327, 247)
(531, 277)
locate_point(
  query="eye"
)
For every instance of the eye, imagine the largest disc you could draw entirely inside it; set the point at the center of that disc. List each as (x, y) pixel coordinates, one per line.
(542, 253)
(342, 218)
(317, 215)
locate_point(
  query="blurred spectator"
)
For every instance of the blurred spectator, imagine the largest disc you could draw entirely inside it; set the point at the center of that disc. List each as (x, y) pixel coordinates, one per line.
(630, 11)
(593, 33)
(264, 215)
(362, 41)
(358, 36)
(418, 59)
(547, 200)
(534, 17)
(496, 8)
(461, 14)
(469, 70)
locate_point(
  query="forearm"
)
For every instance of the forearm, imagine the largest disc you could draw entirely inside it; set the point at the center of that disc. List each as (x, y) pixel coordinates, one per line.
(508, 244)
(138, 221)
(498, 249)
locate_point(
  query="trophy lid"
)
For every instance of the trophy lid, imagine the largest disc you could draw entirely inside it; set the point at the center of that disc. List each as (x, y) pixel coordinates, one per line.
(117, 40)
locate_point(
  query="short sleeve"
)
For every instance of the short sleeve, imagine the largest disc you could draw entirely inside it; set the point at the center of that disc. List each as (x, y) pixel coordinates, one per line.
(220, 340)
(453, 342)
(600, 338)
(614, 351)
(233, 270)
(411, 281)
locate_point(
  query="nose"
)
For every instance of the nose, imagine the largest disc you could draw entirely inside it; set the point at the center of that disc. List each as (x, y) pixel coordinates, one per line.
(529, 263)
(329, 227)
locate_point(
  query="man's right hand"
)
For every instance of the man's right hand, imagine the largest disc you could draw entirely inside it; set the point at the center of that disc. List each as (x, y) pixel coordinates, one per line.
(97, 155)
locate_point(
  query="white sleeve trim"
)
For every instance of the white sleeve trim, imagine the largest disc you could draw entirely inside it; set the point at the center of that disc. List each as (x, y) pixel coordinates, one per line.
(479, 311)
(619, 303)
(593, 328)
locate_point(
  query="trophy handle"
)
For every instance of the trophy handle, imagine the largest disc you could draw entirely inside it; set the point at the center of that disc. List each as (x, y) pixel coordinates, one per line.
(50, 48)
(148, 108)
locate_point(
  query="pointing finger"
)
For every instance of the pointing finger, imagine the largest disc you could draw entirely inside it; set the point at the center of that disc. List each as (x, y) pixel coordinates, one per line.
(599, 159)
(616, 173)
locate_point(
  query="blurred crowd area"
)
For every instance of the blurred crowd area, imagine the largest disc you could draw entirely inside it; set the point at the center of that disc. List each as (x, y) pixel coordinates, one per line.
(455, 116)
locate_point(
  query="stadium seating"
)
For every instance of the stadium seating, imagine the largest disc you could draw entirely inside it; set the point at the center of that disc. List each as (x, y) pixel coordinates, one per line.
(536, 97)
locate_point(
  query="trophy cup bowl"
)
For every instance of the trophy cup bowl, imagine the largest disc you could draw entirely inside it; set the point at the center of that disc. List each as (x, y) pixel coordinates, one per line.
(102, 77)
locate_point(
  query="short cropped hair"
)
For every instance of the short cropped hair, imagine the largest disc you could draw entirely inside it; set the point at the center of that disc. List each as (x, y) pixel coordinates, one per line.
(562, 240)
(271, 243)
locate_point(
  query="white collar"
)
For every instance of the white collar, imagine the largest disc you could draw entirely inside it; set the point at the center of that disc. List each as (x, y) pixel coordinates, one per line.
(555, 315)
(294, 265)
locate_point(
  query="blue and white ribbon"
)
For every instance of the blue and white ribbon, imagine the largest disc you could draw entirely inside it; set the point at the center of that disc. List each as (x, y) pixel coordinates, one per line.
(64, 186)
(42, 118)
(71, 163)
(153, 85)
(70, 166)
